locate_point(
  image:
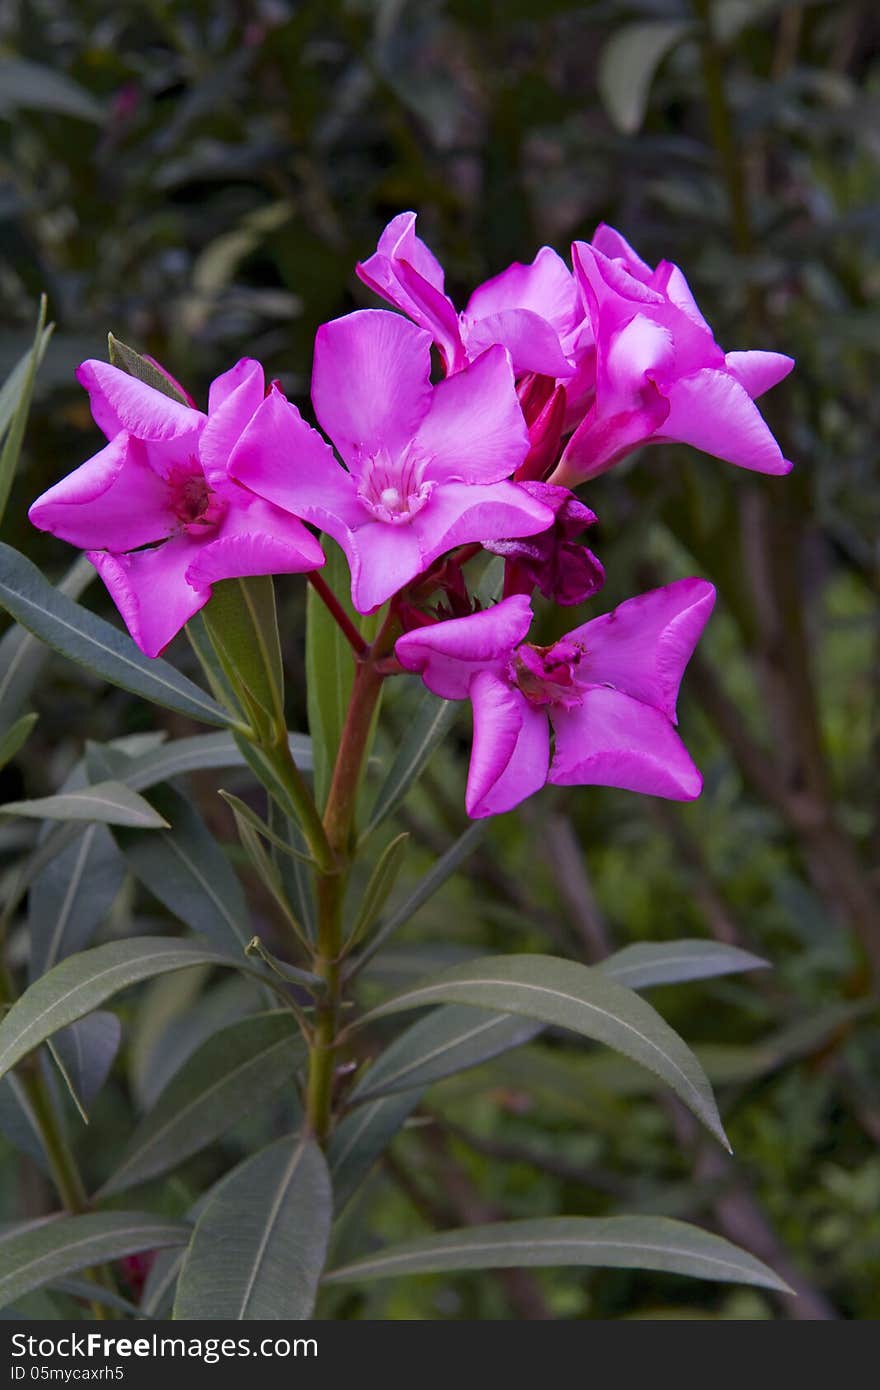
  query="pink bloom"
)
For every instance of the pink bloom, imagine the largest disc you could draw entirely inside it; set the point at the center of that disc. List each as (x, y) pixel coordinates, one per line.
(660, 375)
(607, 690)
(532, 310)
(156, 509)
(426, 466)
(554, 561)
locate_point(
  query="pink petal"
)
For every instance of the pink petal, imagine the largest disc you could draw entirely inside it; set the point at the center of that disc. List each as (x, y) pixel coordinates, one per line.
(531, 341)
(233, 400)
(371, 384)
(447, 655)
(474, 430)
(400, 242)
(676, 287)
(382, 559)
(511, 748)
(255, 538)
(612, 740)
(601, 440)
(640, 350)
(121, 402)
(758, 371)
(607, 278)
(112, 501)
(643, 646)
(151, 592)
(617, 248)
(459, 513)
(281, 458)
(547, 287)
(405, 272)
(712, 412)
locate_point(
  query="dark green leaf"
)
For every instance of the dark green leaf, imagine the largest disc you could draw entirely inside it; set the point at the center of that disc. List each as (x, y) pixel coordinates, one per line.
(627, 65)
(361, 1137)
(669, 962)
(84, 1053)
(429, 726)
(16, 737)
(329, 667)
(110, 803)
(127, 360)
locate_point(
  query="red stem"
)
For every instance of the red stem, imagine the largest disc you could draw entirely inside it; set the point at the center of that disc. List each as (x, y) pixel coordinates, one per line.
(334, 607)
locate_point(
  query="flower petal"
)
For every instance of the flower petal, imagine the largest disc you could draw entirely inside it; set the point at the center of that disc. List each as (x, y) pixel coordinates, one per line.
(151, 592)
(121, 402)
(758, 371)
(643, 646)
(405, 273)
(447, 655)
(511, 748)
(281, 458)
(371, 383)
(547, 287)
(612, 740)
(382, 559)
(474, 430)
(112, 501)
(255, 538)
(459, 513)
(713, 412)
(232, 401)
(532, 342)
(617, 248)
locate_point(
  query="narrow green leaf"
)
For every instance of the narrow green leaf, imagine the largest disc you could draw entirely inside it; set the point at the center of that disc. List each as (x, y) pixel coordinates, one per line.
(248, 815)
(84, 1054)
(291, 973)
(110, 803)
(267, 871)
(616, 1242)
(127, 360)
(199, 753)
(18, 1123)
(23, 380)
(88, 1292)
(362, 1137)
(185, 868)
(329, 667)
(427, 886)
(84, 982)
(430, 724)
(259, 1246)
(243, 627)
(627, 65)
(45, 1253)
(569, 995)
(379, 887)
(670, 962)
(448, 1040)
(37, 87)
(237, 1070)
(85, 638)
(16, 737)
(23, 656)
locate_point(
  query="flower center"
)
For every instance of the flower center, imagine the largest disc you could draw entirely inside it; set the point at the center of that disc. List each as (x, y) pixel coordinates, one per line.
(194, 503)
(548, 675)
(394, 490)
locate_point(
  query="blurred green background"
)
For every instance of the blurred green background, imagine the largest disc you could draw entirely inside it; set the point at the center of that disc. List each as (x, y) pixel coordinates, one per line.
(201, 179)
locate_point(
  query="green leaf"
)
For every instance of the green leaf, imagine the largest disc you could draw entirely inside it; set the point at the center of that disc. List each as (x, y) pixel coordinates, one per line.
(329, 667)
(18, 1123)
(110, 803)
(670, 962)
(569, 995)
(127, 360)
(615, 1242)
(361, 1137)
(85, 638)
(237, 1070)
(19, 388)
(16, 737)
(84, 1054)
(428, 727)
(198, 753)
(23, 656)
(267, 871)
(427, 886)
(185, 868)
(379, 887)
(84, 982)
(247, 815)
(47, 1252)
(35, 87)
(627, 65)
(291, 973)
(88, 1292)
(259, 1245)
(243, 627)
(448, 1040)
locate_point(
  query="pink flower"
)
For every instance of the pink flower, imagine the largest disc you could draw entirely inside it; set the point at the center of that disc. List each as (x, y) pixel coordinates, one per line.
(660, 375)
(156, 509)
(532, 310)
(607, 690)
(426, 466)
(555, 561)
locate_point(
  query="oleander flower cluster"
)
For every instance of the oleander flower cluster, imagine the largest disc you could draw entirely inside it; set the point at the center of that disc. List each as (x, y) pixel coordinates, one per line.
(547, 377)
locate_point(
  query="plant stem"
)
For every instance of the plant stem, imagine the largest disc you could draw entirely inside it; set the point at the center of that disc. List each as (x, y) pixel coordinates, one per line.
(334, 607)
(339, 825)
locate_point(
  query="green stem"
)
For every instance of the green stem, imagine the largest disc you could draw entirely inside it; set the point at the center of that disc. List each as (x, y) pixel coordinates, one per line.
(339, 827)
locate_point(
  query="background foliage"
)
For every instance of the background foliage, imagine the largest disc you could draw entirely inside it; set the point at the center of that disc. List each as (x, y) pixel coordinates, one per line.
(201, 178)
